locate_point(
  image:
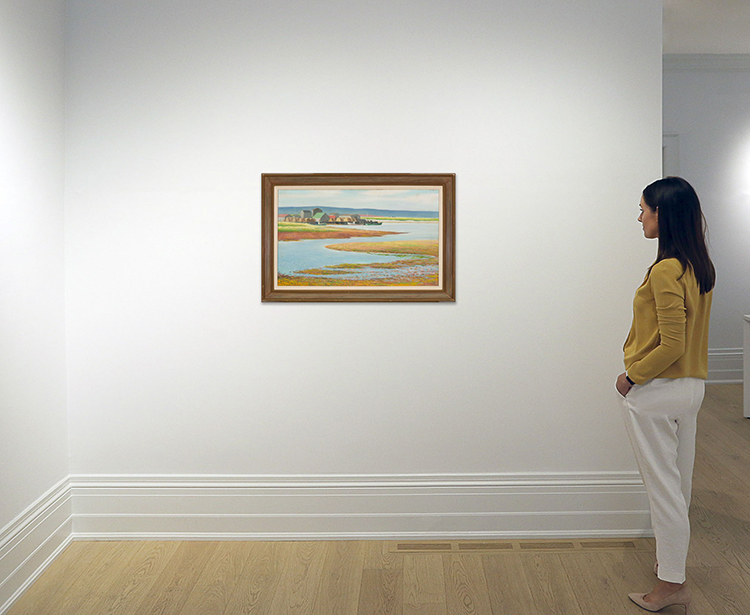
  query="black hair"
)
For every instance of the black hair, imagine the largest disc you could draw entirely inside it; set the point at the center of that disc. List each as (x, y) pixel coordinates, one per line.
(682, 228)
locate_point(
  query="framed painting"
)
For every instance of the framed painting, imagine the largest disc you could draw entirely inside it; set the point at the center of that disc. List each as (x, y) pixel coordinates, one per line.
(358, 237)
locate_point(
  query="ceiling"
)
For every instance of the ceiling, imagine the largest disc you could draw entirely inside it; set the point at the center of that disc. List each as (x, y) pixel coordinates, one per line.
(707, 26)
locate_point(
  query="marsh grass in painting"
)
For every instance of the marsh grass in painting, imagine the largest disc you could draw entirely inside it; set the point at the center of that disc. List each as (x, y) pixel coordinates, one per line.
(416, 247)
(291, 231)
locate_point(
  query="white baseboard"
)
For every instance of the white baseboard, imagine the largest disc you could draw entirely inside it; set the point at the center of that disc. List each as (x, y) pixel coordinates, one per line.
(32, 541)
(725, 366)
(359, 507)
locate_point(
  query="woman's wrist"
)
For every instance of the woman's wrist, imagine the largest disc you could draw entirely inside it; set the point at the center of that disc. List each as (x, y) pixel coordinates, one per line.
(629, 380)
(622, 384)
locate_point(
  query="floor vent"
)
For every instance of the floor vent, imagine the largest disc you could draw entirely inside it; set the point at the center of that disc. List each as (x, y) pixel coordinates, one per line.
(547, 546)
(424, 546)
(614, 545)
(484, 546)
(523, 546)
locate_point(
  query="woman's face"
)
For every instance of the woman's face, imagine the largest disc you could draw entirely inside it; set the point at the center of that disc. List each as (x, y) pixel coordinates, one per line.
(649, 218)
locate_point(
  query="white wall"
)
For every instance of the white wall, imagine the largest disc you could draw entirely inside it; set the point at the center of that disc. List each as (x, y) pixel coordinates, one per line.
(35, 511)
(33, 425)
(550, 115)
(707, 105)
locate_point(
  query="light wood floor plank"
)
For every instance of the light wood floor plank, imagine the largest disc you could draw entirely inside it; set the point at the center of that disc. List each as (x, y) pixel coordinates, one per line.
(549, 584)
(259, 581)
(89, 588)
(726, 444)
(172, 589)
(725, 403)
(129, 587)
(724, 535)
(425, 609)
(625, 572)
(465, 585)
(715, 475)
(507, 584)
(301, 580)
(341, 581)
(424, 583)
(592, 585)
(703, 551)
(381, 592)
(379, 557)
(722, 591)
(700, 603)
(219, 579)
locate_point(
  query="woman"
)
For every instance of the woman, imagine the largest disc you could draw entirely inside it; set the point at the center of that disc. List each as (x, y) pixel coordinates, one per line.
(666, 362)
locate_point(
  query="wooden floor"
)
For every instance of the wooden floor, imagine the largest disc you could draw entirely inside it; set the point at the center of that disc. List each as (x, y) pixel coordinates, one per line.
(357, 578)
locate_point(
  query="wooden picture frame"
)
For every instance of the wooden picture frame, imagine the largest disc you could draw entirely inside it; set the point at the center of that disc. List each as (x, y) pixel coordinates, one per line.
(358, 237)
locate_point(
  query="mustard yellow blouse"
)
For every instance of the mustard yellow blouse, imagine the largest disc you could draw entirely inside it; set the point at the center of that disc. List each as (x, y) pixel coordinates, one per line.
(669, 335)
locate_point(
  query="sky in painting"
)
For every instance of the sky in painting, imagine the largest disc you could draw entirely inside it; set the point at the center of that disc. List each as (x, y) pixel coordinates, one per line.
(427, 200)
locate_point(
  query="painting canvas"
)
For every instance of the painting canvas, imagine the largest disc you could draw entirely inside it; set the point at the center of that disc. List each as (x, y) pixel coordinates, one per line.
(358, 237)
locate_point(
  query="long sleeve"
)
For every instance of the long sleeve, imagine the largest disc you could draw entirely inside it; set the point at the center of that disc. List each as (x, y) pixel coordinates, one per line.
(669, 300)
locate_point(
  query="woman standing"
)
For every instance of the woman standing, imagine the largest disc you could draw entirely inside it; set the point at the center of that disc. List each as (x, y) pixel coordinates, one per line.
(666, 362)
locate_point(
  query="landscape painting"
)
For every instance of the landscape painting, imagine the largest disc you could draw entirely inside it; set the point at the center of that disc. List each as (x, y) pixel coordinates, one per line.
(358, 237)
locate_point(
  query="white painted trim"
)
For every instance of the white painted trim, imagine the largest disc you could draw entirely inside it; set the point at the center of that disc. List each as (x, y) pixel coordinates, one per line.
(348, 481)
(725, 366)
(706, 61)
(378, 536)
(359, 507)
(33, 540)
(57, 492)
(746, 365)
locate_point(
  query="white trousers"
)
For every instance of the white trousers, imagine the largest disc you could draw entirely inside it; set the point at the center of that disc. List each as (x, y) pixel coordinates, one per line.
(661, 417)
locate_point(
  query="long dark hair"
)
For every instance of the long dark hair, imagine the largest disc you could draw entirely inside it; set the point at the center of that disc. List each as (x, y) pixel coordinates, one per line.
(682, 228)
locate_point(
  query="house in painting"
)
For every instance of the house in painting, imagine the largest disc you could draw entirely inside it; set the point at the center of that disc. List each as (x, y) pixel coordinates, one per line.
(350, 219)
(318, 216)
(301, 219)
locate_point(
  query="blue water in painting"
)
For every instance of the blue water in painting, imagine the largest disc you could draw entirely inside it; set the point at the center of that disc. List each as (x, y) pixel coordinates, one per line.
(294, 256)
